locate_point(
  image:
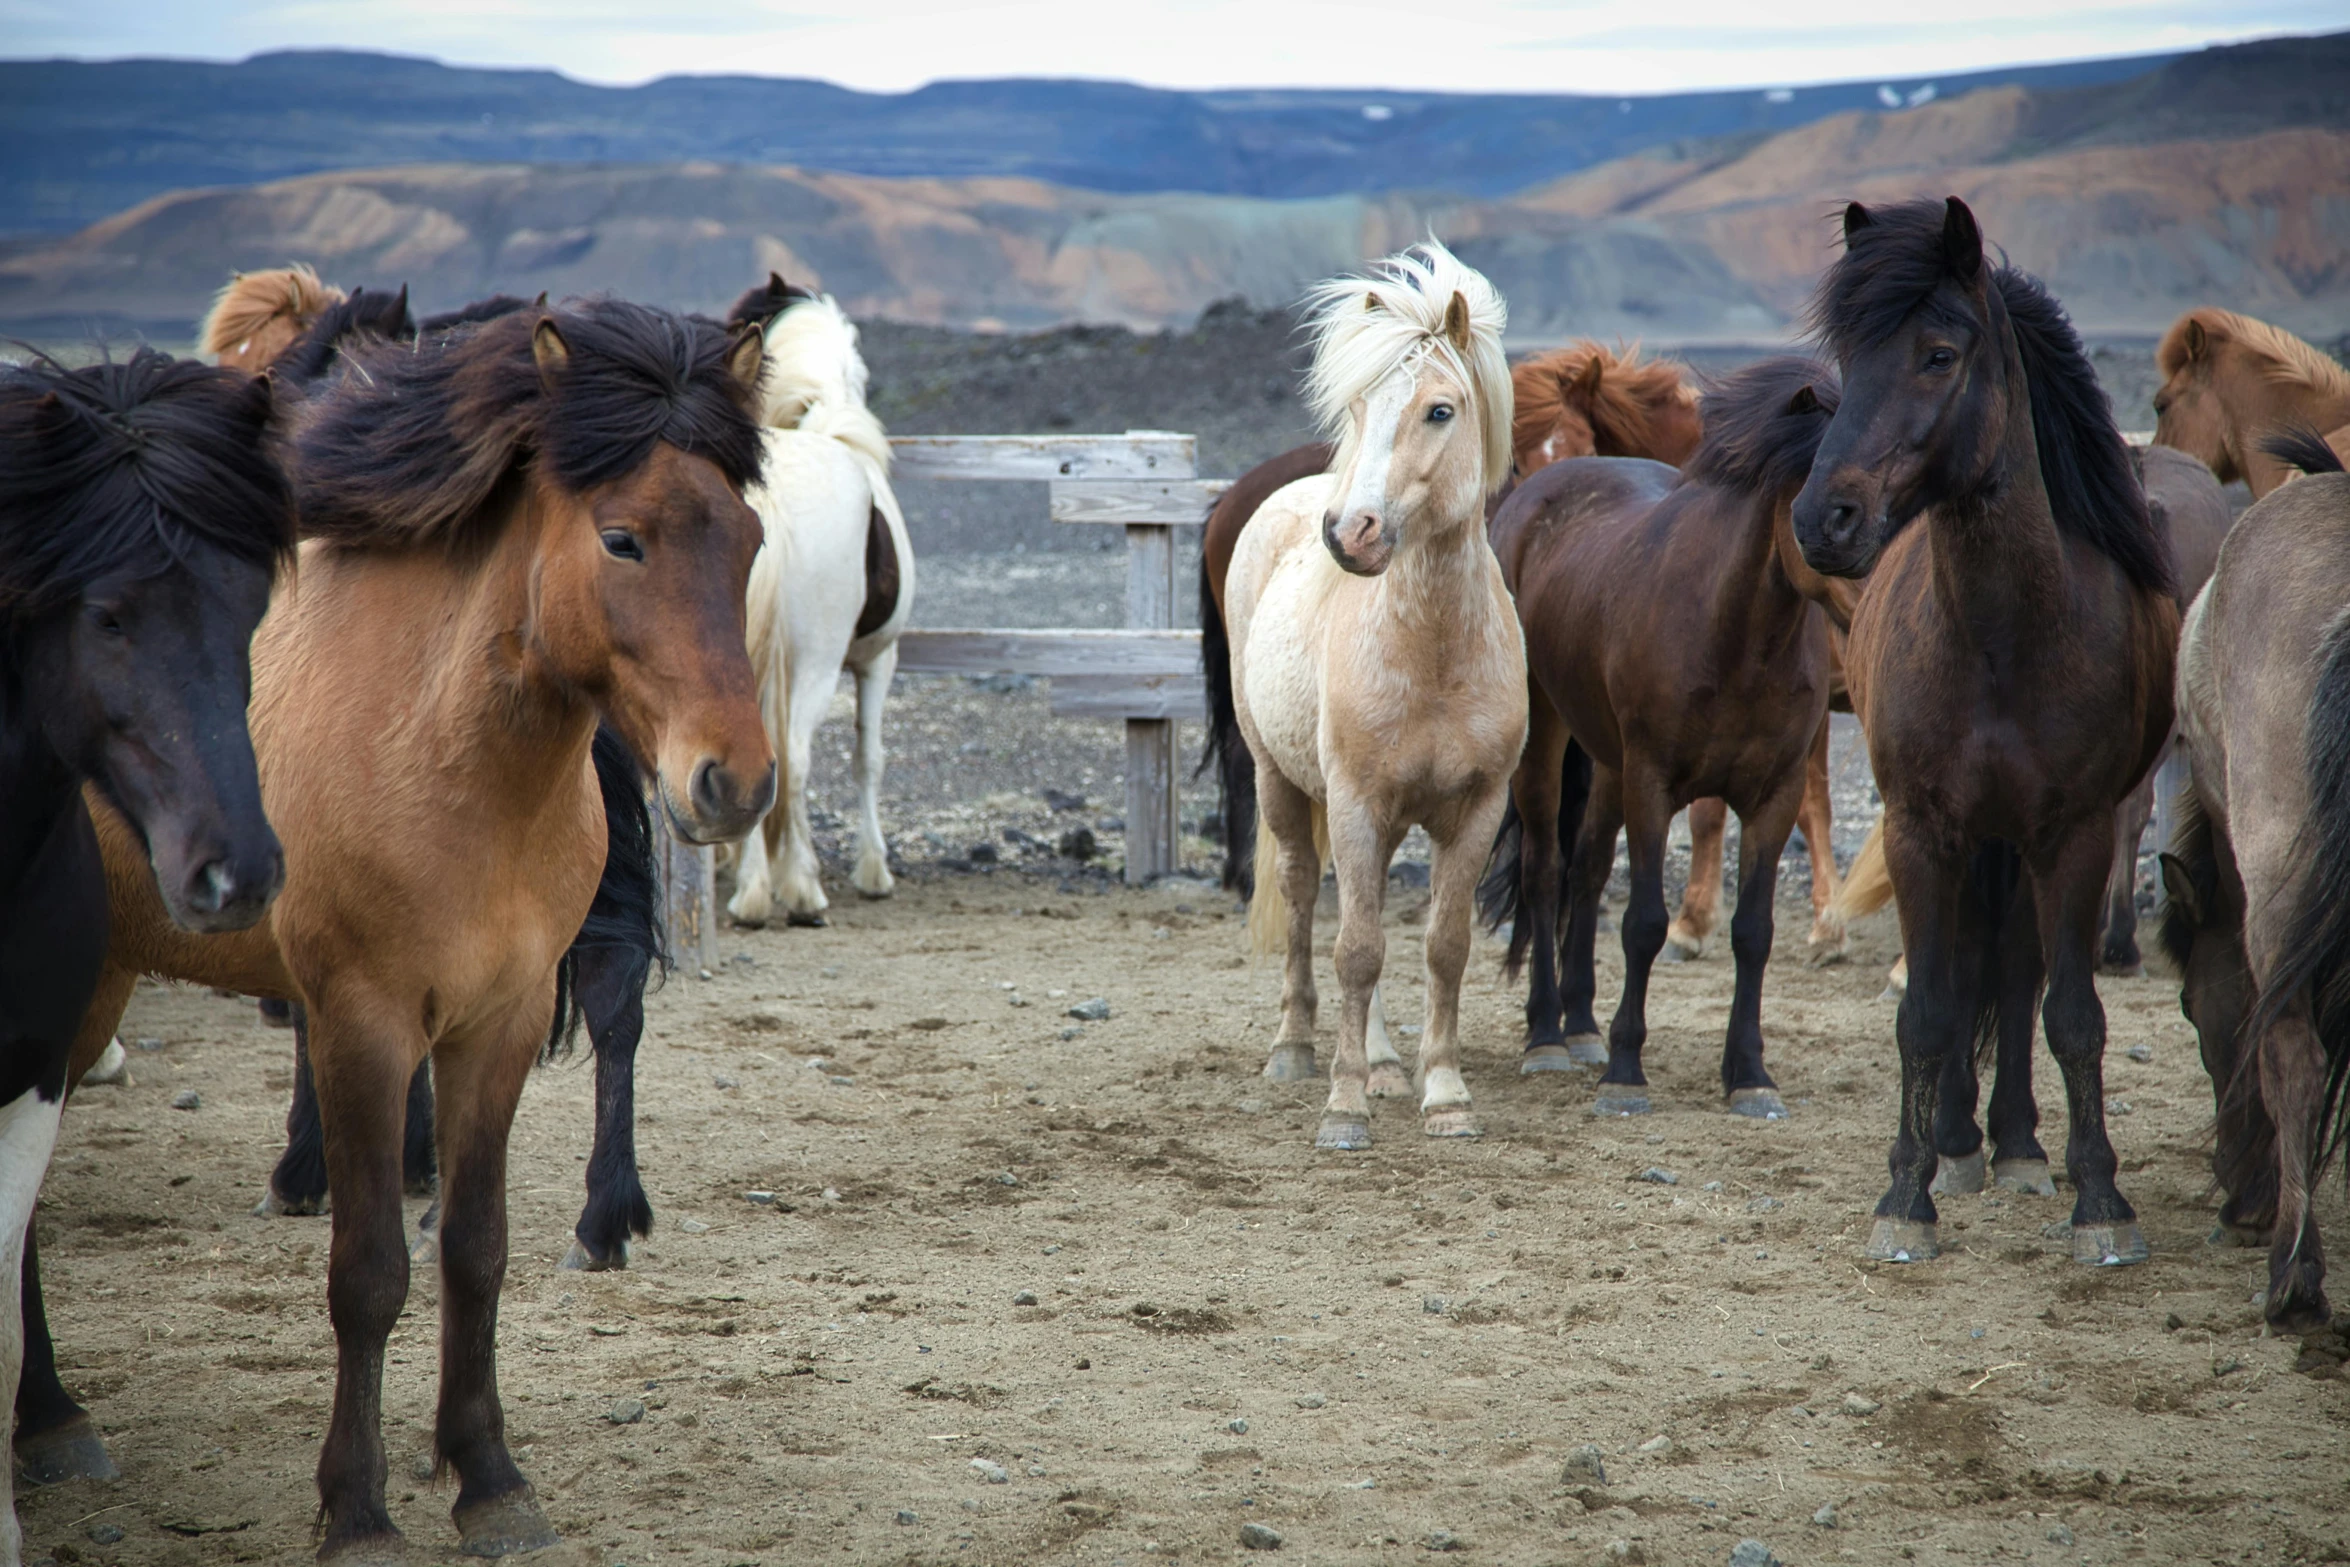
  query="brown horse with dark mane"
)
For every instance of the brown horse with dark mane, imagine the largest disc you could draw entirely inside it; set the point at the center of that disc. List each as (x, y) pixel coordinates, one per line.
(2010, 662)
(1673, 651)
(509, 531)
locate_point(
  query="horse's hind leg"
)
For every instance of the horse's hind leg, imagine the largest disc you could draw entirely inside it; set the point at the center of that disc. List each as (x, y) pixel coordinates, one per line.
(1540, 872)
(298, 1184)
(1289, 816)
(1623, 1088)
(871, 877)
(2292, 1067)
(1701, 902)
(1594, 860)
(1390, 1079)
(2068, 889)
(1817, 816)
(1762, 837)
(2018, 1162)
(612, 993)
(1452, 881)
(481, 1077)
(2119, 928)
(799, 880)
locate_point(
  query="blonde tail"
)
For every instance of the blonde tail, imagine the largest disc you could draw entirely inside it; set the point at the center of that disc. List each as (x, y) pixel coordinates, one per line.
(1268, 907)
(1868, 886)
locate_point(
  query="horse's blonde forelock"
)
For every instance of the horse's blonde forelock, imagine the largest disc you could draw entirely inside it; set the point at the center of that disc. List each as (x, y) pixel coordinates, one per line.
(1367, 328)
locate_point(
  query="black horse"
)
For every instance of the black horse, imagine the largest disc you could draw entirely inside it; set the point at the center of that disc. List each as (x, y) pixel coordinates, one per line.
(143, 516)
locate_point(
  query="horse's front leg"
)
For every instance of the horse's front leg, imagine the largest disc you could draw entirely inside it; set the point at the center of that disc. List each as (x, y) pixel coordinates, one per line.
(2068, 888)
(1648, 811)
(799, 881)
(611, 981)
(1360, 846)
(1762, 838)
(2118, 929)
(363, 1051)
(481, 1076)
(871, 876)
(1946, 937)
(1288, 814)
(1692, 929)
(1462, 845)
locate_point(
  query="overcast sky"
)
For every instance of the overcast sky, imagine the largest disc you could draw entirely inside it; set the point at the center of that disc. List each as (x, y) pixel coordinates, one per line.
(890, 45)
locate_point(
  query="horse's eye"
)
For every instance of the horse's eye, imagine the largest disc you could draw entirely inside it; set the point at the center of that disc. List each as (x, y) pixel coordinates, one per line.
(1942, 359)
(1440, 413)
(2161, 404)
(621, 544)
(104, 619)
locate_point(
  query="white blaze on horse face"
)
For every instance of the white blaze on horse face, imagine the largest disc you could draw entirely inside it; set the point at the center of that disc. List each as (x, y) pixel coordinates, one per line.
(28, 1135)
(1367, 528)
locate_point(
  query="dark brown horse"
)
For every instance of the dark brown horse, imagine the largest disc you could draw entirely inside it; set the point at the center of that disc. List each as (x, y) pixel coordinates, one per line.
(511, 532)
(2258, 870)
(1673, 652)
(2010, 662)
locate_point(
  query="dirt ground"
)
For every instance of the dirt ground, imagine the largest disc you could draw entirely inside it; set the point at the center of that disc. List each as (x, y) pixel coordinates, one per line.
(871, 1144)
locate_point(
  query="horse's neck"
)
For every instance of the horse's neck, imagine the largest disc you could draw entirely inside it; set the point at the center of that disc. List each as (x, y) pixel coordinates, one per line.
(34, 779)
(1438, 590)
(2266, 407)
(1999, 565)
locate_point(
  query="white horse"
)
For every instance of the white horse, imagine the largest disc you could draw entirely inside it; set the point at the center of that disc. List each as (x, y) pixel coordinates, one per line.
(831, 587)
(1378, 672)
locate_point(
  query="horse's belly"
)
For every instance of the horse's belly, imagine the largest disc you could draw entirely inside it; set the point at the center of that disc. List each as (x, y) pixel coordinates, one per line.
(1284, 698)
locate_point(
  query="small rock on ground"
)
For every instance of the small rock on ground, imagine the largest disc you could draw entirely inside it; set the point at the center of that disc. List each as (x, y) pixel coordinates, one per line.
(187, 1099)
(907, 1515)
(1238, 1427)
(1094, 1011)
(991, 1472)
(1826, 1516)
(626, 1411)
(1658, 1445)
(1446, 1540)
(1855, 1404)
(1752, 1553)
(1585, 1463)
(105, 1533)
(2060, 1535)
(1024, 1298)
(1656, 1177)
(1260, 1537)
(1313, 1401)
(1625, 1551)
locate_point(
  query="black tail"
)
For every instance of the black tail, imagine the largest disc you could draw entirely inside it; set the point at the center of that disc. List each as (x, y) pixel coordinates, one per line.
(1501, 894)
(627, 907)
(2304, 449)
(2314, 957)
(1993, 881)
(1226, 751)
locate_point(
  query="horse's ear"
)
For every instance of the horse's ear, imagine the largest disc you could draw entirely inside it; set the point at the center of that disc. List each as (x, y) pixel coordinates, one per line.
(1962, 241)
(1856, 218)
(1586, 382)
(747, 355)
(549, 349)
(2178, 885)
(540, 303)
(1805, 400)
(1372, 303)
(2195, 340)
(776, 285)
(1456, 320)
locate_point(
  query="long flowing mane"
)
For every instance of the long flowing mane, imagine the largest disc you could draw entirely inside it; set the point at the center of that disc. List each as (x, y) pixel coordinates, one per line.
(1625, 403)
(252, 300)
(1367, 328)
(407, 449)
(119, 467)
(1753, 441)
(1897, 266)
(2283, 357)
(815, 378)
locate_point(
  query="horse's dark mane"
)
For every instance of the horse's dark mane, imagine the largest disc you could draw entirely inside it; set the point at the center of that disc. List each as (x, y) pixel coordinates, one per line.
(480, 310)
(760, 305)
(2302, 448)
(1895, 265)
(120, 467)
(408, 449)
(1752, 441)
(365, 313)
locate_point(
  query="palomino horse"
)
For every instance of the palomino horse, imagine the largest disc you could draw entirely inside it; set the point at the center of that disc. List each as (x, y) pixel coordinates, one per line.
(508, 533)
(1673, 649)
(833, 586)
(142, 517)
(2258, 871)
(2229, 380)
(2192, 515)
(1378, 674)
(2010, 663)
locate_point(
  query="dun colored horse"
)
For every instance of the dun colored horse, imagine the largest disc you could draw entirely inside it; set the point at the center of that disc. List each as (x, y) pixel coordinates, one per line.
(1673, 650)
(142, 517)
(1378, 674)
(2010, 662)
(2258, 872)
(509, 532)
(2229, 380)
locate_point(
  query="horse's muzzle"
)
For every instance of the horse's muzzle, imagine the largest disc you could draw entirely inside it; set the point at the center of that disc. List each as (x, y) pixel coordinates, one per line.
(721, 804)
(1361, 543)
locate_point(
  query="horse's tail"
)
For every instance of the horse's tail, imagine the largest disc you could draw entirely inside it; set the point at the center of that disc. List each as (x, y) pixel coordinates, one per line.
(626, 911)
(1868, 886)
(2302, 448)
(1226, 751)
(1268, 910)
(1501, 894)
(2313, 959)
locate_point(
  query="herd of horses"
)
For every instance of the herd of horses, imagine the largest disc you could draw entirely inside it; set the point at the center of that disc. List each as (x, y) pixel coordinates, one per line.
(352, 673)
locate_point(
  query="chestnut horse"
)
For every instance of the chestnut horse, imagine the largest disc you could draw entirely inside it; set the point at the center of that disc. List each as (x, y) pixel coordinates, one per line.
(2258, 870)
(1378, 675)
(257, 316)
(1673, 649)
(2010, 662)
(509, 532)
(142, 517)
(2229, 380)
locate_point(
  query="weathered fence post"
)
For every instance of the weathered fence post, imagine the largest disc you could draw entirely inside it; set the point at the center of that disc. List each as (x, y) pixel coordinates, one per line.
(689, 898)
(1150, 742)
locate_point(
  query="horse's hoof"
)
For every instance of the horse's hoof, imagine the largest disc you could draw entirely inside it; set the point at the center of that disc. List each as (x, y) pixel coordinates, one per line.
(1451, 1121)
(881, 886)
(1587, 1049)
(1292, 1064)
(2029, 1176)
(112, 1069)
(1960, 1175)
(426, 1253)
(1679, 949)
(1548, 1058)
(1902, 1240)
(2109, 1245)
(1824, 956)
(2233, 1236)
(1343, 1133)
(73, 1451)
(1620, 1099)
(1758, 1104)
(273, 1206)
(504, 1525)
(581, 1260)
(1390, 1081)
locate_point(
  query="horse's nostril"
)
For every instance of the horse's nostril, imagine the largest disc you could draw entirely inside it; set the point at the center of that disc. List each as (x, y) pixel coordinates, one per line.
(211, 886)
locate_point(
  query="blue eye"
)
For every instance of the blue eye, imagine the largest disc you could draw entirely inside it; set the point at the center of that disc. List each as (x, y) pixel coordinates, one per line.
(621, 544)
(1440, 413)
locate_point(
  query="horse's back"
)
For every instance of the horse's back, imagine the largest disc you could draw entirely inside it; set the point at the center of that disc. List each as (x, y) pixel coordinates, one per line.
(1558, 509)
(1279, 579)
(1229, 517)
(808, 588)
(2190, 510)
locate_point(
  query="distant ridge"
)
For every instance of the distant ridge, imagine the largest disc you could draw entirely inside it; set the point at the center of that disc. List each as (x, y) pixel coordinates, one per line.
(82, 141)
